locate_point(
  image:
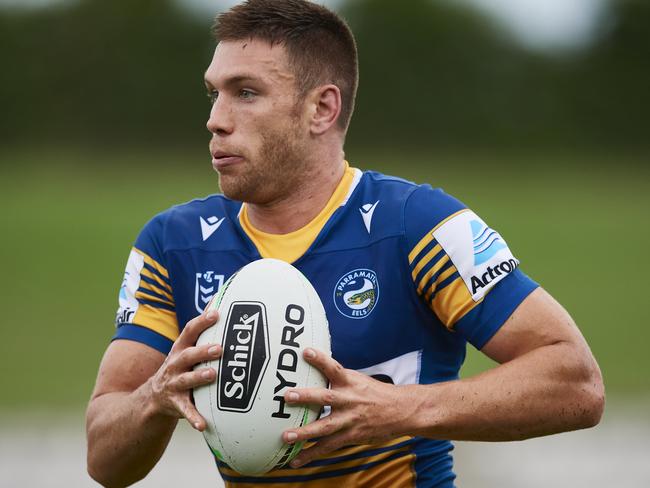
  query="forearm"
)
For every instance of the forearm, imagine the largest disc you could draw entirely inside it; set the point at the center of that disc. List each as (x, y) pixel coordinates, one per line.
(546, 391)
(126, 436)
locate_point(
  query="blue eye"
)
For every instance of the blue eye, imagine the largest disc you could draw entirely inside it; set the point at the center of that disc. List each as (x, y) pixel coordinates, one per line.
(246, 94)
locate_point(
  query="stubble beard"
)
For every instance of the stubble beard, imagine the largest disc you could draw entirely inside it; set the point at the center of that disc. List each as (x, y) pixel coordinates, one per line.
(276, 171)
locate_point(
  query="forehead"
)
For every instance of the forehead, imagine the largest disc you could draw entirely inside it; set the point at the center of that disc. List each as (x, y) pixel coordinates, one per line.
(252, 58)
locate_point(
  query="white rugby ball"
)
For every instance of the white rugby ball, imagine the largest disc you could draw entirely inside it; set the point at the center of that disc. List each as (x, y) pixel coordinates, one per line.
(268, 314)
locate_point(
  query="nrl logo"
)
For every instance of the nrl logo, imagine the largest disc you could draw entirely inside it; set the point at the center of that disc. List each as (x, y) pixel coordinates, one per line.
(206, 286)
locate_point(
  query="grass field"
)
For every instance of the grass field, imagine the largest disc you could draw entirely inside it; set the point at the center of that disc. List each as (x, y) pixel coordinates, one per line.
(578, 225)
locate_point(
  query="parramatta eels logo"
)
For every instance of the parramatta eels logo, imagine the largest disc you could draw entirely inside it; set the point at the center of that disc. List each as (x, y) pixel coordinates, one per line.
(356, 293)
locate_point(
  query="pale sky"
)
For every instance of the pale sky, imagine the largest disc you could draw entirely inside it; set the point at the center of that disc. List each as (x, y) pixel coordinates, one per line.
(544, 24)
(547, 23)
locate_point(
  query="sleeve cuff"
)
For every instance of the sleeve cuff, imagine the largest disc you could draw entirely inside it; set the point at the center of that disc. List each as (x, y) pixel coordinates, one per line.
(144, 335)
(498, 305)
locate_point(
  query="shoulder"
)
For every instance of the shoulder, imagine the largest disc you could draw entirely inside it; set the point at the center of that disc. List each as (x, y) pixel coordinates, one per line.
(188, 224)
(416, 208)
(428, 208)
(382, 206)
(413, 195)
(393, 188)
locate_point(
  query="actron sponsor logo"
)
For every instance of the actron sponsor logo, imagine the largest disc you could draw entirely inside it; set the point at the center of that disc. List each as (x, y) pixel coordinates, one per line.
(493, 272)
(245, 356)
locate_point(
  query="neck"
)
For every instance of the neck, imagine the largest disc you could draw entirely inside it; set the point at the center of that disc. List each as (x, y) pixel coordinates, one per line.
(295, 210)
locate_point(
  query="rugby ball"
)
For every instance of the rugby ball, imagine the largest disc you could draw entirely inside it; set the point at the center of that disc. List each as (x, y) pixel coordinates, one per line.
(268, 314)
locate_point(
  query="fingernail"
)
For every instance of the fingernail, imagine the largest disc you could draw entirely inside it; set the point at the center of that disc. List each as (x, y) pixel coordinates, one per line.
(295, 463)
(292, 396)
(212, 315)
(197, 426)
(213, 351)
(291, 436)
(207, 374)
(310, 353)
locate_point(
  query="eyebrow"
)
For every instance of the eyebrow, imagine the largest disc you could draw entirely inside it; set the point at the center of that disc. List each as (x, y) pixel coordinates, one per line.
(235, 80)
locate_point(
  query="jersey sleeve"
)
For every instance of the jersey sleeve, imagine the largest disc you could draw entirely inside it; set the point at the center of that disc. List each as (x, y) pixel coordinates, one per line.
(461, 268)
(147, 311)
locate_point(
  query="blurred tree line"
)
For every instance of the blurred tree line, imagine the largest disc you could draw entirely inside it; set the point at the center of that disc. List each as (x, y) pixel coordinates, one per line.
(433, 74)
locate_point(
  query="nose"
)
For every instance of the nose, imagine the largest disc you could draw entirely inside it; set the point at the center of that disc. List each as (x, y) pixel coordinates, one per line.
(220, 121)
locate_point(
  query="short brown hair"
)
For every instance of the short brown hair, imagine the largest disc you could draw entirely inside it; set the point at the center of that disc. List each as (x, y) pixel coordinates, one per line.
(319, 43)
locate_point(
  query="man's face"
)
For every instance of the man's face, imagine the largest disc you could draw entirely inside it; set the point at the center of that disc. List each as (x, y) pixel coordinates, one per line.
(259, 131)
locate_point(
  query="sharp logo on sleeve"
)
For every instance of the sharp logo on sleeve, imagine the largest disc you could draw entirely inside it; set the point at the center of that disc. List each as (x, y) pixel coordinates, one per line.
(206, 285)
(128, 303)
(479, 253)
(209, 226)
(124, 316)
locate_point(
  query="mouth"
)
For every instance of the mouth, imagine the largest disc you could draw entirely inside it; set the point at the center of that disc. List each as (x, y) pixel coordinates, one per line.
(222, 159)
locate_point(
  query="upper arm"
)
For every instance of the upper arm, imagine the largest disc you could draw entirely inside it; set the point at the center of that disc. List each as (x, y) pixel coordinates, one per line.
(126, 365)
(462, 269)
(537, 322)
(146, 319)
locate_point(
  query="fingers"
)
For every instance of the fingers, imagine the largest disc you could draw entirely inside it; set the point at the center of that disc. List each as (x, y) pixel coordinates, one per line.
(191, 356)
(189, 411)
(171, 384)
(314, 396)
(192, 379)
(321, 428)
(326, 364)
(194, 328)
(321, 448)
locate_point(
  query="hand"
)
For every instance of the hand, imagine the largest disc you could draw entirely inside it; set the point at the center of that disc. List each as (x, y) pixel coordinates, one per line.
(172, 384)
(364, 410)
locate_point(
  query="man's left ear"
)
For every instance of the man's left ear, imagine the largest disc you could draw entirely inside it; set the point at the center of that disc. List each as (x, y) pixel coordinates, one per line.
(326, 101)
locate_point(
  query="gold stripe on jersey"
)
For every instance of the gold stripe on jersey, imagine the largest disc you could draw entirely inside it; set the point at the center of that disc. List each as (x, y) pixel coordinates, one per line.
(425, 260)
(156, 289)
(443, 276)
(153, 263)
(400, 467)
(434, 269)
(452, 302)
(142, 295)
(155, 277)
(394, 473)
(351, 450)
(157, 319)
(428, 237)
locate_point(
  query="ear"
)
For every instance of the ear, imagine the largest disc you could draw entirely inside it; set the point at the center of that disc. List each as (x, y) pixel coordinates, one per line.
(326, 108)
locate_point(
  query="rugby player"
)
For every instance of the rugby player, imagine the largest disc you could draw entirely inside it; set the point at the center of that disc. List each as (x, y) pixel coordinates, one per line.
(408, 276)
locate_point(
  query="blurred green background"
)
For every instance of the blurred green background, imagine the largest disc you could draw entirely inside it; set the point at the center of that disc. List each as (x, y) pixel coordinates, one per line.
(102, 124)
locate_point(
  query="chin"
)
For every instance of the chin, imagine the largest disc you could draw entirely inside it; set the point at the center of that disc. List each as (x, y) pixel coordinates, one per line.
(230, 192)
(235, 190)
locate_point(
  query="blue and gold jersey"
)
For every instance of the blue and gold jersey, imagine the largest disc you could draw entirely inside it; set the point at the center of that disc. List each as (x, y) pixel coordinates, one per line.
(407, 275)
